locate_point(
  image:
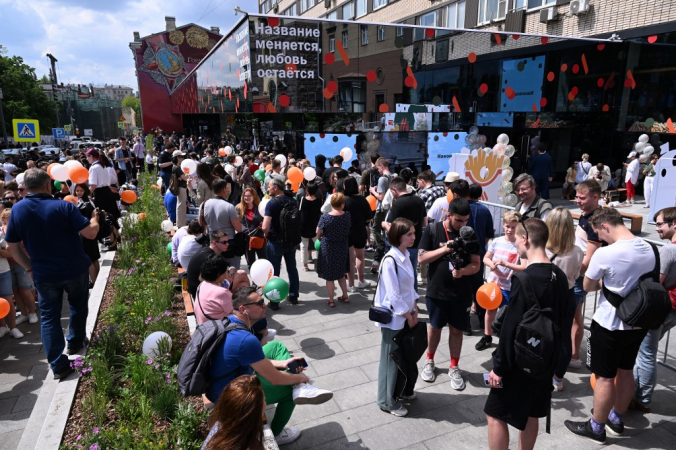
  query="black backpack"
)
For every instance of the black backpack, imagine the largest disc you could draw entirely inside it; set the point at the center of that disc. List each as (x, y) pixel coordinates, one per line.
(538, 338)
(195, 364)
(647, 305)
(290, 224)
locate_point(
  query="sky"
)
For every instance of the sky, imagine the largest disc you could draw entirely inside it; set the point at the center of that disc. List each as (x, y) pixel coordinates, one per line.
(90, 38)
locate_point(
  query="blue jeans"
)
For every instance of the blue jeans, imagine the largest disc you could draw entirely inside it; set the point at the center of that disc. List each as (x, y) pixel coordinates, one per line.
(580, 294)
(50, 299)
(413, 255)
(275, 253)
(166, 179)
(645, 368)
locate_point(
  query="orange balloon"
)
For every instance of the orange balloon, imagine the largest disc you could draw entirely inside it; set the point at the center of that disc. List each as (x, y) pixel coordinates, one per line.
(128, 196)
(295, 187)
(268, 167)
(372, 202)
(154, 186)
(221, 151)
(295, 175)
(79, 175)
(449, 196)
(489, 296)
(71, 199)
(4, 308)
(49, 169)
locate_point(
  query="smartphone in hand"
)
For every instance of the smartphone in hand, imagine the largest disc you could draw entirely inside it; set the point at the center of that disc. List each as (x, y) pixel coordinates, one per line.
(486, 381)
(295, 364)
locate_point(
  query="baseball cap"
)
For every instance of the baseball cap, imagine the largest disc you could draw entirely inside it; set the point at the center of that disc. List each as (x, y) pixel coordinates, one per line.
(93, 152)
(451, 176)
(632, 155)
(178, 153)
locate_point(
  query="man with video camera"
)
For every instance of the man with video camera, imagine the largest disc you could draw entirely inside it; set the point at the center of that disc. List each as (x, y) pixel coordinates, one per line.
(452, 251)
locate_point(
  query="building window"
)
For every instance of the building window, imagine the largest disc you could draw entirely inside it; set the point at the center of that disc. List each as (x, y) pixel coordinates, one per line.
(400, 31)
(381, 33)
(352, 96)
(332, 44)
(343, 39)
(491, 10)
(303, 6)
(364, 34)
(348, 11)
(456, 15)
(332, 15)
(428, 20)
(361, 7)
(379, 4)
(532, 4)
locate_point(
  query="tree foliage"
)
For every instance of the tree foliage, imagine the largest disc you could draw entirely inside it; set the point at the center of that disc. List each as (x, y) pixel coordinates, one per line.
(133, 102)
(23, 97)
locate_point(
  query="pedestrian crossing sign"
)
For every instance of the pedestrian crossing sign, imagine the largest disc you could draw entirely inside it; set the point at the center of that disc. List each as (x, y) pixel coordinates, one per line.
(26, 130)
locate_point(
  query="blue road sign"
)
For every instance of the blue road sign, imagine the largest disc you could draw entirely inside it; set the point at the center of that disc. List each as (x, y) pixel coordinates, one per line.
(58, 133)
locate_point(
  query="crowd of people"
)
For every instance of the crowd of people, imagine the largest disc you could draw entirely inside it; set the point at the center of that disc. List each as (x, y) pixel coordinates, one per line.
(242, 201)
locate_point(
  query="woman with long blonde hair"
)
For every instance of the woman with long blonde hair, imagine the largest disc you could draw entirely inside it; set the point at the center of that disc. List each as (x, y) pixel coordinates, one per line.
(252, 222)
(562, 252)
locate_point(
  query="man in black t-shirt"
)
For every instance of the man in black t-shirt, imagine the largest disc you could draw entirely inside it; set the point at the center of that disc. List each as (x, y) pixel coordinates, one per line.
(164, 163)
(449, 294)
(411, 207)
(218, 245)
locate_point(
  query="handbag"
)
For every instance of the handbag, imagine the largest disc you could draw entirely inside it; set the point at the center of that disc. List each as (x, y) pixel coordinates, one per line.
(381, 314)
(256, 241)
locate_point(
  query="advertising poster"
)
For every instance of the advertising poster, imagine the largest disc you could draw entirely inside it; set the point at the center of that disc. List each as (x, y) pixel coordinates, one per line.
(329, 145)
(440, 148)
(522, 84)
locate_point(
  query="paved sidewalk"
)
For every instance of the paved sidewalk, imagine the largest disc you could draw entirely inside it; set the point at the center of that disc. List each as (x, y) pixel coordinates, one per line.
(343, 349)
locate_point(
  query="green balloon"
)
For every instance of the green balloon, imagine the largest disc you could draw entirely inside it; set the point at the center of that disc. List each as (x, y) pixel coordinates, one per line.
(169, 248)
(57, 185)
(317, 244)
(276, 290)
(259, 175)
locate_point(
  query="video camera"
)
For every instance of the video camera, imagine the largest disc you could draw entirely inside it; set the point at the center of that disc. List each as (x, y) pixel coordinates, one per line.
(462, 247)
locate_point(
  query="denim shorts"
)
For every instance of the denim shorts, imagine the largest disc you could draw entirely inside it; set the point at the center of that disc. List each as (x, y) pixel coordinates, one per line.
(6, 284)
(21, 278)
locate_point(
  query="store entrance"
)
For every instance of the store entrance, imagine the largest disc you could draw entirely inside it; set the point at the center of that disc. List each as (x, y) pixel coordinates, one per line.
(201, 124)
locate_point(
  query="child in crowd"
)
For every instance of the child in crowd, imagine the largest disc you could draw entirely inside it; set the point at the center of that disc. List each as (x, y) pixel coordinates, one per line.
(503, 260)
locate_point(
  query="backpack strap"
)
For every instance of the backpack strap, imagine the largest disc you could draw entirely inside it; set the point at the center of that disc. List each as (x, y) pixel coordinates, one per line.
(396, 270)
(616, 299)
(197, 300)
(528, 287)
(231, 326)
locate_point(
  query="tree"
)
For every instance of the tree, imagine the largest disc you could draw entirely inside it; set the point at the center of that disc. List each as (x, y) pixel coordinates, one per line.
(133, 102)
(44, 80)
(23, 97)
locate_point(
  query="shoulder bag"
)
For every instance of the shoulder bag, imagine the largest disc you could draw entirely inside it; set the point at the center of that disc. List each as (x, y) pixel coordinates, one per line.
(381, 314)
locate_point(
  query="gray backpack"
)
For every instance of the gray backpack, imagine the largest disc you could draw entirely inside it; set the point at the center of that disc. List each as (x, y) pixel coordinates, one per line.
(194, 367)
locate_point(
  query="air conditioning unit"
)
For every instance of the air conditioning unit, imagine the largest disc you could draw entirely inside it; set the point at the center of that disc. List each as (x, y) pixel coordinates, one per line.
(275, 9)
(548, 14)
(579, 7)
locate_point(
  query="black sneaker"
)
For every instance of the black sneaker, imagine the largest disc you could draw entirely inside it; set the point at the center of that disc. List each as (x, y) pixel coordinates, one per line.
(76, 348)
(584, 429)
(467, 333)
(273, 306)
(293, 300)
(63, 373)
(615, 430)
(484, 343)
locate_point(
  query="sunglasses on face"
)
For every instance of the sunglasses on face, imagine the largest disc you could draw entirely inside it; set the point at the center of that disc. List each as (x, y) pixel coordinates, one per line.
(10, 198)
(21, 189)
(223, 242)
(260, 303)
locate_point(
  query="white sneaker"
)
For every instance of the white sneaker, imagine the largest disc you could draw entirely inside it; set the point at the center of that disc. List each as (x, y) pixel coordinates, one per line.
(421, 280)
(399, 412)
(409, 397)
(271, 334)
(33, 318)
(558, 385)
(287, 436)
(3, 331)
(457, 382)
(21, 319)
(16, 334)
(363, 284)
(307, 394)
(575, 364)
(427, 373)
(352, 289)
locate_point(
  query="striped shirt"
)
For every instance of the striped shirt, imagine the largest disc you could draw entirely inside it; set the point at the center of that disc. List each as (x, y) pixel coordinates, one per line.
(502, 249)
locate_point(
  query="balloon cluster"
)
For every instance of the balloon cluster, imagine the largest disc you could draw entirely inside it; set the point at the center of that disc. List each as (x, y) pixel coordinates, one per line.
(474, 140)
(643, 148)
(504, 148)
(70, 170)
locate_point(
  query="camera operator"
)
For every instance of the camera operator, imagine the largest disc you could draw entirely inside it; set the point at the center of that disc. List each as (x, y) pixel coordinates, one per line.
(601, 174)
(452, 251)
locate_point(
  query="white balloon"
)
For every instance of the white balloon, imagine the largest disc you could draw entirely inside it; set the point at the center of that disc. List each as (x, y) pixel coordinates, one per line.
(281, 159)
(499, 148)
(310, 173)
(189, 166)
(648, 150)
(159, 182)
(167, 226)
(238, 161)
(509, 150)
(346, 153)
(643, 159)
(262, 205)
(72, 163)
(150, 345)
(228, 150)
(503, 139)
(60, 173)
(19, 178)
(643, 138)
(639, 146)
(261, 271)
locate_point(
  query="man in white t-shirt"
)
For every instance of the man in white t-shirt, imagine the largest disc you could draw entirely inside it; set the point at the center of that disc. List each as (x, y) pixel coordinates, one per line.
(191, 243)
(613, 345)
(8, 167)
(631, 177)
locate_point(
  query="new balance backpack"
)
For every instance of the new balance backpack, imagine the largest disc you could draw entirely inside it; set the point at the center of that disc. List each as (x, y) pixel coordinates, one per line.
(538, 338)
(289, 224)
(647, 305)
(194, 367)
